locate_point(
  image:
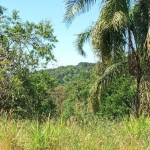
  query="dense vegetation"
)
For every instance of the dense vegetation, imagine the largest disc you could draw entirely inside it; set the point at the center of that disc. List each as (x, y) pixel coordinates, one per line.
(96, 134)
(74, 88)
(120, 38)
(70, 73)
(24, 90)
(88, 106)
(114, 87)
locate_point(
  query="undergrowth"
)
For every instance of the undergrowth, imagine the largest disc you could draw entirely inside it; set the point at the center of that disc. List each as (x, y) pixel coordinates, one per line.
(94, 134)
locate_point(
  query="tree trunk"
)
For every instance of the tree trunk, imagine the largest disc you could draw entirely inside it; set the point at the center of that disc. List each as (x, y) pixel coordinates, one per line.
(136, 71)
(145, 81)
(148, 34)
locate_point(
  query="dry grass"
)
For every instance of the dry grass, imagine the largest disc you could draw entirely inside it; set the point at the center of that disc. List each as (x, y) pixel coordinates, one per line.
(98, 134)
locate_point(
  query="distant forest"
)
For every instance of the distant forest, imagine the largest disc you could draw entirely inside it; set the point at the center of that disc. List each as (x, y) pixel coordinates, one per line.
(65, 74)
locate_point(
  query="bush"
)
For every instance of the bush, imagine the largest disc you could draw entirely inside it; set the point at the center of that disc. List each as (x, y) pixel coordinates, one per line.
(116, 98)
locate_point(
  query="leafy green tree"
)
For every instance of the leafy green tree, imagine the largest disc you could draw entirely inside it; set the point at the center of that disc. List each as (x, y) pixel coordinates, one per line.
(33, 97)
(24, 48)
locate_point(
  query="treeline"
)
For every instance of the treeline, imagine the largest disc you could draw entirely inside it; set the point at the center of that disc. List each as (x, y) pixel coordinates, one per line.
(65, 74)
(116, 86)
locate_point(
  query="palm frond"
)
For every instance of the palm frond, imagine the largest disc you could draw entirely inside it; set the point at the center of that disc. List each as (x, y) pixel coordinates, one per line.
(109, 32)
(76, 7)
(139, 17)
(82, 38)
(113, 72)
(119, 20)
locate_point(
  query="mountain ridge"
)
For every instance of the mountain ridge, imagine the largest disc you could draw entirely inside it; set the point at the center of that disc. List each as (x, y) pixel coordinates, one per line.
(67, 73)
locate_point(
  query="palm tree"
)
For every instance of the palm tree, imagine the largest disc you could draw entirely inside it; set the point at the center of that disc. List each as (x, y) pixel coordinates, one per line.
(122, 26)
(76, 7)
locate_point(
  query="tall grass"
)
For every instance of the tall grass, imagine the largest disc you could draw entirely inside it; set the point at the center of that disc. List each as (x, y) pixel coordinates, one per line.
(95, 134)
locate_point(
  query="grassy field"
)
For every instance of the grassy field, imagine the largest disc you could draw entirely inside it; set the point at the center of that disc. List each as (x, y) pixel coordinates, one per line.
(98, 134)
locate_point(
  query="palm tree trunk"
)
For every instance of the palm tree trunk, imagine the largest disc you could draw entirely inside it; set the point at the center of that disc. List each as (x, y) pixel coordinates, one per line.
(148, 34)
(145, 81)
(136, 71)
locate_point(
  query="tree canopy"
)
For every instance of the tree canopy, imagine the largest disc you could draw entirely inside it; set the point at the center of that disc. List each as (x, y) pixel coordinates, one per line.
(25, 47)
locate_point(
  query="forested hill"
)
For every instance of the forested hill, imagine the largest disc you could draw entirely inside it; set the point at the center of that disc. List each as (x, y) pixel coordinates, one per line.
(64, 74)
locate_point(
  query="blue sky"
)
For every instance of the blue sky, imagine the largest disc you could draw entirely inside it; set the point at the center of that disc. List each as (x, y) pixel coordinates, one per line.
(53, 10)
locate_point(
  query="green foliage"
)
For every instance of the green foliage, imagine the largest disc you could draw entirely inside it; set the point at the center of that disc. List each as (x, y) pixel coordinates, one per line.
(78, 93)
(82, 38)
(117, 97)
(24, 48)
(68, 109)
(35, 96)
(70, 73)
(71, 95)
(58, 96)
(78, 89)
(75, 8)
(97, 134)
(73, 98)
(123, 26)
(30, 95)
